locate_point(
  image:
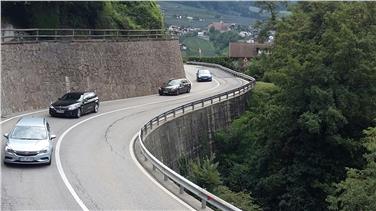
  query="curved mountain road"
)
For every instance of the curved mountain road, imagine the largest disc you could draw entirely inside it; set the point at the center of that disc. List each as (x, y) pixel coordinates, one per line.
(95, 158)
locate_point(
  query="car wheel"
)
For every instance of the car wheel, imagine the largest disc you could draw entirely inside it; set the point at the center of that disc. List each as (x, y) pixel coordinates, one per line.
(188, 90)
(78, 113)
(96, 108)
(178, 92)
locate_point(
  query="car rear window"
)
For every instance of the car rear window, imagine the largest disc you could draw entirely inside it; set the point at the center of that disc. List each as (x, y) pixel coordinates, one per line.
(29, 133)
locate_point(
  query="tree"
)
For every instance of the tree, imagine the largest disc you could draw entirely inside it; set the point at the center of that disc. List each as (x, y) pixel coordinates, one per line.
(293, 146)
(357, 191)
(83, 14)
(265, 26)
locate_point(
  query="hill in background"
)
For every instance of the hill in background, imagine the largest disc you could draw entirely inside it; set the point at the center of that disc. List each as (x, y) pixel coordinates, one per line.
(204, 13)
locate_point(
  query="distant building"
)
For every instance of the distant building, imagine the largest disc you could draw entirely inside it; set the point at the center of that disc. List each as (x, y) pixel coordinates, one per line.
(246, 50)
(245, 34)
(220, 26)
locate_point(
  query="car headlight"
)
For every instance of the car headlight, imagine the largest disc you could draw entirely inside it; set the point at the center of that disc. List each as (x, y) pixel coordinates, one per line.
(44, 150)
(8, 149)
(74, 106)
(51, 107)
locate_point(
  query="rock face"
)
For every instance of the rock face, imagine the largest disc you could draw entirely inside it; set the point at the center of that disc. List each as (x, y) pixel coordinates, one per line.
(35, 74)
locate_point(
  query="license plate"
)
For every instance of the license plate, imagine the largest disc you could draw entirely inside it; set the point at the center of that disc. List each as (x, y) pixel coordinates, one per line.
(165, 92)
(26, 159)
(59, 111)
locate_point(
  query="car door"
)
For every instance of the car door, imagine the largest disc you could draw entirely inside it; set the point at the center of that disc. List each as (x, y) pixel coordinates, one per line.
(86, 103)
(91, 101)
(185, 84)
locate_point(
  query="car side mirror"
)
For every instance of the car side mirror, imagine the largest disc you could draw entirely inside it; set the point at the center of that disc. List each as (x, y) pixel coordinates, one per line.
(53, 137)
(6, 135)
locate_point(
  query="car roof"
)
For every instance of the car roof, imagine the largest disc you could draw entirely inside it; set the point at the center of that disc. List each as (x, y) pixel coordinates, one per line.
(80, 92)
(31, 121)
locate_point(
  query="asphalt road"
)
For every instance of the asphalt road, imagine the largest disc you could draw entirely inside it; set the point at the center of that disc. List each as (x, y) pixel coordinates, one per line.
(95, 159)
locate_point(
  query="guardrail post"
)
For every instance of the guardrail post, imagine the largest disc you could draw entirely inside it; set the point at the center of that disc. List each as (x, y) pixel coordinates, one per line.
(89, 34)
(181, 189)
(37, 37)
(227, 95)
(157, 120)
(174, 113)
(151, 124)
(219, 98)
(72, 34)
(211, 101)
(146, 129)
(203, 203)
(193, 107)
(183, 109)
(165, 117)
(202, 103)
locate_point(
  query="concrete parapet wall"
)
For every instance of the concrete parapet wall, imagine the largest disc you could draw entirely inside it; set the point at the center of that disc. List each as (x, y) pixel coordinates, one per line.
(35, 74)
(185, 136)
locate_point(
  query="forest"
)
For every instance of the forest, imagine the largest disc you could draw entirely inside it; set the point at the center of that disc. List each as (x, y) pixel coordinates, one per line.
(307, 140)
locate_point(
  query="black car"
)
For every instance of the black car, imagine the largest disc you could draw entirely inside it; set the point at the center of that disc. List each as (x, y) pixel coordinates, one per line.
(175, 87)
(204, 75)
(75, 104)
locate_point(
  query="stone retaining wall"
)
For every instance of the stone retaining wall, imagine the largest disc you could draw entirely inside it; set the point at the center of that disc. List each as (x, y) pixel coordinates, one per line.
(35, 74)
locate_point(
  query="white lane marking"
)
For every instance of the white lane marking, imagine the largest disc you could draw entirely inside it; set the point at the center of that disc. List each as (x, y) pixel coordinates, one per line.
(57, 157)
(151, 178)
(104, 102)
(58, 144)
(34, 112)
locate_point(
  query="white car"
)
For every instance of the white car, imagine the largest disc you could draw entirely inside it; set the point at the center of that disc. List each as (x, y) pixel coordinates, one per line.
(29, 142)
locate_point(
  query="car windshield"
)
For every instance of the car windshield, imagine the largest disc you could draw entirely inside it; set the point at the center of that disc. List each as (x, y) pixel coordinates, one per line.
(29, 133)
(71, 96)
(173, 82)
(204, 72)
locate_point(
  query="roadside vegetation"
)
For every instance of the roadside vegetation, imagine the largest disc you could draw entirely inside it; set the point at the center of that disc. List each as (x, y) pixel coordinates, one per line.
(83, 14)
(307, 141)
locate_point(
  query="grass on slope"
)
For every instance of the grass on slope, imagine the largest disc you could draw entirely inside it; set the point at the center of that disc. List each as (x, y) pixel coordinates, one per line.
(174, 8)
(265, 87)
(194, 43)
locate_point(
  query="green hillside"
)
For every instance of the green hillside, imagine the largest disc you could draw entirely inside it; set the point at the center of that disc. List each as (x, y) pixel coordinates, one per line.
(194, 43)
(172, 9)
(82, 14)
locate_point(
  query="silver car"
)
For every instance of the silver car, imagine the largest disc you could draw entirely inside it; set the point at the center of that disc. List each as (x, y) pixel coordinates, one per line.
(29, 142)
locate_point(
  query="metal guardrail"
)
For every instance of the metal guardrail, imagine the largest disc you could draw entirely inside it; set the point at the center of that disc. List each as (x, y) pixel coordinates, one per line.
(205, 196)
(37, 35)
